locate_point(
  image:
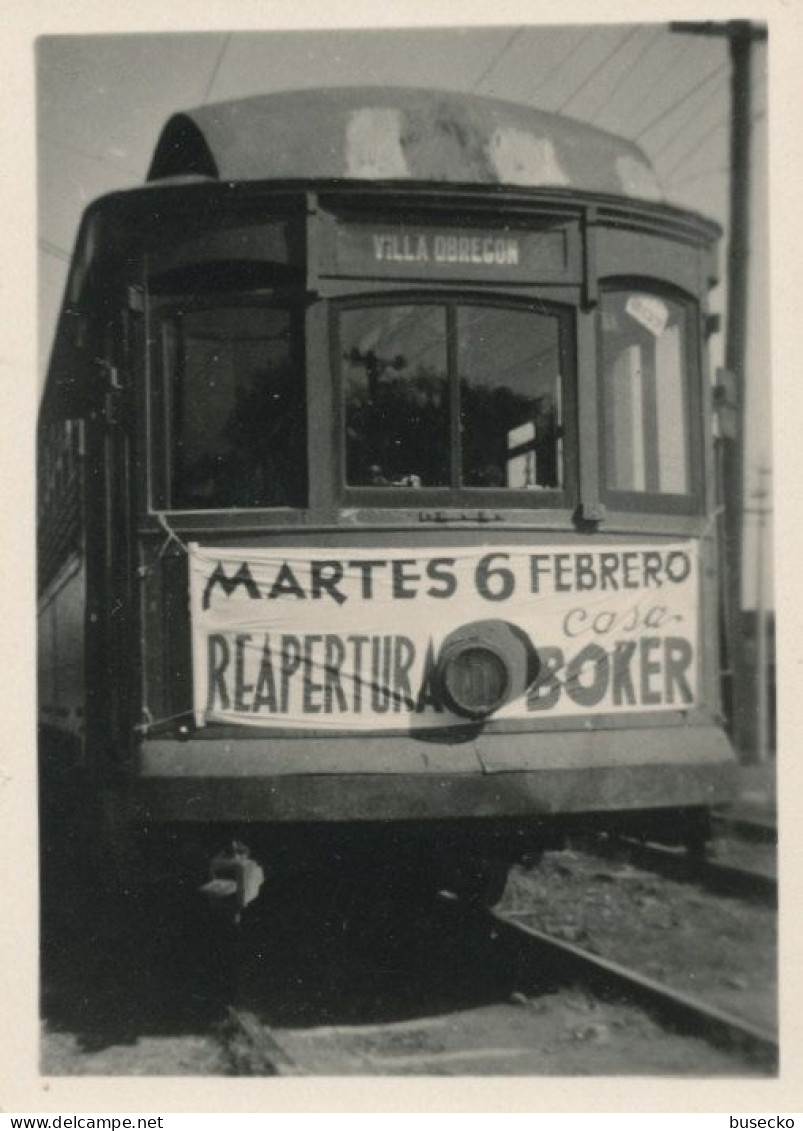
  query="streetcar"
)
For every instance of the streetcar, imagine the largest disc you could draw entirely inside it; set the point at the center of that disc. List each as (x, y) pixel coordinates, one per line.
(377, 498)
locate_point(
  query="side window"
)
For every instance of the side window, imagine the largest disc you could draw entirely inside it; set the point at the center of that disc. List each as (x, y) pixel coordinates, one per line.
(235, 391)
(58, 494)
(648, 379)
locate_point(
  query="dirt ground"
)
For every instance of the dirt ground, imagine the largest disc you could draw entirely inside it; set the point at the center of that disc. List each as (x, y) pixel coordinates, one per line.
(384, 988)
(566, 1033)
(721, 949)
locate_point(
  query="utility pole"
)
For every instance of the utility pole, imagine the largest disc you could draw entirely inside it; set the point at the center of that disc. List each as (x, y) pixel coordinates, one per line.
(761, 495)
(741, 36)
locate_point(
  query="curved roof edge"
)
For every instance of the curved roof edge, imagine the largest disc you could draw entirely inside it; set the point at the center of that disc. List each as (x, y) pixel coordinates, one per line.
(398, 134)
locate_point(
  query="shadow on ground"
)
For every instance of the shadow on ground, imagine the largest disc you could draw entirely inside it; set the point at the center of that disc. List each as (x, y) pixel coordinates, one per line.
(314, 950)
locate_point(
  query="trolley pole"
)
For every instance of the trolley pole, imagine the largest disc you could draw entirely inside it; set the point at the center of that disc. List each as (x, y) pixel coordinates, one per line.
(741, 36)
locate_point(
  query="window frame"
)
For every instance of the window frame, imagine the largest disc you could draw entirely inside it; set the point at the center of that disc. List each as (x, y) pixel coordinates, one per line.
(456, 494)
(657, 502)
(163, 309)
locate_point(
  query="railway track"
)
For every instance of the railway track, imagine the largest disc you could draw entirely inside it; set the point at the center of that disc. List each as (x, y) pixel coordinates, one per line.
(253, 1048)
(759, 830)
(256, 1049)
(724, 878)
(684, 1013)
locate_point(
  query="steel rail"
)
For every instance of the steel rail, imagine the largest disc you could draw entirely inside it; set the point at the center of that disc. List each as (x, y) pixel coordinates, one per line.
(746, 827)
(678, 864)
(265, 1054)
(539, 953)
(685, 1014)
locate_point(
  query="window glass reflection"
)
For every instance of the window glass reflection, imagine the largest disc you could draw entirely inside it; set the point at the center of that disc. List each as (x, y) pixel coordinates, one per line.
(646, 423)
(396, 396)
(451, 394)
(510, 398)
(238, 409)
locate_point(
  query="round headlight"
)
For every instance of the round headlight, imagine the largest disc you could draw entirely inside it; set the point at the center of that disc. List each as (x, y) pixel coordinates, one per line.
(474, 679)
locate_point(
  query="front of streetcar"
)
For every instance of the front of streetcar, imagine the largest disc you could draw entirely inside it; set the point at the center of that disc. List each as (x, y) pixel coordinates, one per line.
(420, 481)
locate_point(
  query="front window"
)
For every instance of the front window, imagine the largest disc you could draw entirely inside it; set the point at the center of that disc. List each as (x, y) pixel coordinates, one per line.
(237, 420)
(509, 363)
(397, 396)
(454, 395)
(647, 441)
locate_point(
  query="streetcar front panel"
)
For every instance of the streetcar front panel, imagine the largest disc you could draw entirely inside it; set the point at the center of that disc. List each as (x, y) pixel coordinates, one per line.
(406, 505)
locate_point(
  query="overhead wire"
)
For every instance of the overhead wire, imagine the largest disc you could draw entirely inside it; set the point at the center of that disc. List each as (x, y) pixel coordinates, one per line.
(669, 110)
(216, 68)
(638, 57)
(663, 71)
(718, 171)
(694, 149)
(721, 123)
(561, 63)
(596, 70)
(685, 121)
(757, 88)
(497, 59)
(53, 249)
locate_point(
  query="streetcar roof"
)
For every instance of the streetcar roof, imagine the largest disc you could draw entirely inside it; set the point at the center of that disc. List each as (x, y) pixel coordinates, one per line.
(399, 134)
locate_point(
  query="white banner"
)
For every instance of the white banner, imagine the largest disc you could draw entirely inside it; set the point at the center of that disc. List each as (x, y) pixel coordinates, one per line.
(334, 638)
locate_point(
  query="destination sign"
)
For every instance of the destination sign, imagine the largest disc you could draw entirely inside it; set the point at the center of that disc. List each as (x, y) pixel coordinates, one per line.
(401, 250)
(421, 248)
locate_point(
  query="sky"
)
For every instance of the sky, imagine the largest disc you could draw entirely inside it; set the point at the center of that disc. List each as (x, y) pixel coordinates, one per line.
(102, 100)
